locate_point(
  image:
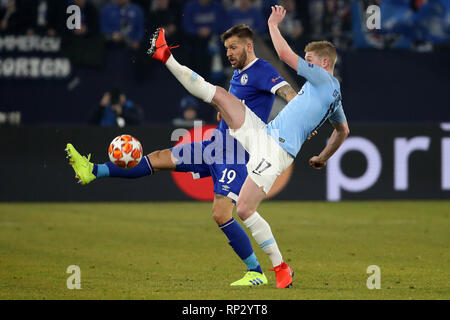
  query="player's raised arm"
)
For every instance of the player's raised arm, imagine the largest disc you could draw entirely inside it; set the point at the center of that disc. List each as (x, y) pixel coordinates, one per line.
(283, 49)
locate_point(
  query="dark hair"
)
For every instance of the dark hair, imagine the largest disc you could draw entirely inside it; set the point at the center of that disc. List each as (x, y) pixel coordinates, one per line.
(241, 31)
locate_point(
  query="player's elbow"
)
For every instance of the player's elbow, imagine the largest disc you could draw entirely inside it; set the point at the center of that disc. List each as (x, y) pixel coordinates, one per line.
(343, 132)
(346, 132)
(343, 129)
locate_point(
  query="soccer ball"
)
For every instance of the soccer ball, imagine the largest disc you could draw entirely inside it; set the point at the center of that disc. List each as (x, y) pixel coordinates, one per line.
(125, 151)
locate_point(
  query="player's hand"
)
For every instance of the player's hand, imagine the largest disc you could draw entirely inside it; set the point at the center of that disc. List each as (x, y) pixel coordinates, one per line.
(317, 163)
(312, 135)
(277, 15)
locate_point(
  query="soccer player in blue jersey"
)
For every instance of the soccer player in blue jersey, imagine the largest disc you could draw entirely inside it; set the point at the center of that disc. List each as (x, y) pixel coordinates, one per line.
(272, 147)
(255, 81)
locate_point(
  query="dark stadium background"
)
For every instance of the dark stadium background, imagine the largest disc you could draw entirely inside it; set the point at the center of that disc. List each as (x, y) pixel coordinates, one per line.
(394, 81)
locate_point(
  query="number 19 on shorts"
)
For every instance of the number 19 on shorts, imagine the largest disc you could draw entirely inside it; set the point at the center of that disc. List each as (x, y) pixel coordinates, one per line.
(229, 175)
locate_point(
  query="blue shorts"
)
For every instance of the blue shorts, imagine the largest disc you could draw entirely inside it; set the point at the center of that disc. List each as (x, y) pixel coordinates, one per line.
(227, 169)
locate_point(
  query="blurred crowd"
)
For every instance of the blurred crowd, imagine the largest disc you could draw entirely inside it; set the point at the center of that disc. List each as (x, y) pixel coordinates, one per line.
(129, 21)
(422, 25)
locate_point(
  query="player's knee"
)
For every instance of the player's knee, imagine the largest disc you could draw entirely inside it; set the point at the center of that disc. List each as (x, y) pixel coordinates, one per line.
(221, 100)
(154, 155)
(221, 216)
(162, 160)
(220, 95)
(243, 210)
(222, 209)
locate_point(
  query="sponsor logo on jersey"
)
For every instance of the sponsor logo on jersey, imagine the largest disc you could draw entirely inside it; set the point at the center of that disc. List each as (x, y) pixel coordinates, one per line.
(310, 65)
(281, 140)
(275, 79)
(244, 79)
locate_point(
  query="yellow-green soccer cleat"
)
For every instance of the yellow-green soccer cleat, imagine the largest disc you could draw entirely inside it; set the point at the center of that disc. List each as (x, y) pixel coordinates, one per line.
(251, 279)
(81, 165)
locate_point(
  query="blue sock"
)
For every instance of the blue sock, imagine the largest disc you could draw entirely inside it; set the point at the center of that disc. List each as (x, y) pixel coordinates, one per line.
(241, 244)
(109, 169)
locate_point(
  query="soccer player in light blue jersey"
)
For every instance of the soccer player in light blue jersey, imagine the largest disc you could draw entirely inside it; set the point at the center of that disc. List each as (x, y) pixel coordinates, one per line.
(272, 147)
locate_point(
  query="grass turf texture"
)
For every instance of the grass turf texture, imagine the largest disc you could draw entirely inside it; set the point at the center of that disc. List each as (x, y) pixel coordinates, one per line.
(176, 251)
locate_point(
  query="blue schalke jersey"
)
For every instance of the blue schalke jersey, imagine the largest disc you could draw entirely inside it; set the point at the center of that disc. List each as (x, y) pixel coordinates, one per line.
(256, 84)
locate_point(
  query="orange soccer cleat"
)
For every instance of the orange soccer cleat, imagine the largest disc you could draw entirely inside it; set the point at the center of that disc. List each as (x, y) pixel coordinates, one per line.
(284, 275)
(159, 49)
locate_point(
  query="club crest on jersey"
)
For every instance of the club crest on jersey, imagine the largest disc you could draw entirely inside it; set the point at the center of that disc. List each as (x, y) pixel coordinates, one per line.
(244, 79)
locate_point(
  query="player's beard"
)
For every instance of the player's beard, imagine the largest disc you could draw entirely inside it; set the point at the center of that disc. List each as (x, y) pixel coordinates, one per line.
(241, 62)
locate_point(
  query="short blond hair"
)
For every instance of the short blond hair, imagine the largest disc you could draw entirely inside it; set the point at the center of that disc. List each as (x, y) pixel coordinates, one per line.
(324, 49)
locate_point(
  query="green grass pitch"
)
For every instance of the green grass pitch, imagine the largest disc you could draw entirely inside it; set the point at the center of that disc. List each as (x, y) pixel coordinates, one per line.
(175, 250)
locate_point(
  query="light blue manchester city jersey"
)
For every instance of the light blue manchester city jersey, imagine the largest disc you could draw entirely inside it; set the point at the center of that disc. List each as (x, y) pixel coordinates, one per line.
(318, 100)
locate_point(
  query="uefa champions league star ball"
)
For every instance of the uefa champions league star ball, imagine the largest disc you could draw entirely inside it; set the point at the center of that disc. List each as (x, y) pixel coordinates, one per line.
(125, 151)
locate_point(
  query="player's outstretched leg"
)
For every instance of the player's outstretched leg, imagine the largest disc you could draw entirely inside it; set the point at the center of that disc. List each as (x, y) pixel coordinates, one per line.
(86, 171)
(249, 199)
(231, 108)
